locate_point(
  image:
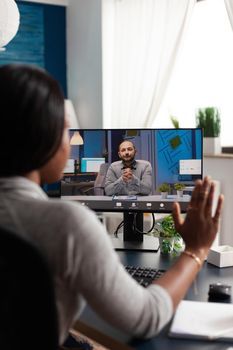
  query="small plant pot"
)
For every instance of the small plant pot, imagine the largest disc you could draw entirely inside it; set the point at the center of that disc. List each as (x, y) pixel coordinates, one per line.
(178, 245)
(180, 193)
(166, 244)
(164, 195)
(212, 145)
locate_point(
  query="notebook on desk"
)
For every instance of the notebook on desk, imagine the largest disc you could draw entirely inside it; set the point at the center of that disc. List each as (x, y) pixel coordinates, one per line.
(203, 320)
(89, 338)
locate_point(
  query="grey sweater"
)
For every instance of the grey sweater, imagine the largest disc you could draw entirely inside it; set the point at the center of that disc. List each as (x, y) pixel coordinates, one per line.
(85, 267)
(141, 182)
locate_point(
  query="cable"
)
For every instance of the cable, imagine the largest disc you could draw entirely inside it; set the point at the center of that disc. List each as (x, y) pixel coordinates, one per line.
(153, 223)
(118, 228)
(134, 226)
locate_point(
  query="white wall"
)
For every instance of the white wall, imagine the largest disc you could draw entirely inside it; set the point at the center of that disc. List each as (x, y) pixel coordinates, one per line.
(84, 56)
(220, 168)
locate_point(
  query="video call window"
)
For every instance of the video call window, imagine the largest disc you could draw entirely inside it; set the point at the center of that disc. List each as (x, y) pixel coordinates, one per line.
(175, 154)
(164, 155)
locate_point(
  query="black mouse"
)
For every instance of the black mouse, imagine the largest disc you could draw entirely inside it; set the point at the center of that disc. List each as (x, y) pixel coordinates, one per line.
(219, 291)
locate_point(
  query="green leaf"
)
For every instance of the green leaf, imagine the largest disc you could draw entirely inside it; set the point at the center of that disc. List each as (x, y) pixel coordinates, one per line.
(208, 119)
(175, 122)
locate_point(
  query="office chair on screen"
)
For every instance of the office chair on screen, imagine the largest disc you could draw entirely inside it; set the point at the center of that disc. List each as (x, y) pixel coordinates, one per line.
(28, 316)
(97, 187)
(100, 180)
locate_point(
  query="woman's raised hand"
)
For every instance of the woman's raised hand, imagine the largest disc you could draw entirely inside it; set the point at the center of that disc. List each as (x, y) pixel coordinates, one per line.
(200, 226)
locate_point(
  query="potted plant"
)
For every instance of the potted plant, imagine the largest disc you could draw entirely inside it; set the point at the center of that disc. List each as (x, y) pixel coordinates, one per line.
(169, 239)
(164, 189)
(208, 119)
(175, 122)
(179, 187)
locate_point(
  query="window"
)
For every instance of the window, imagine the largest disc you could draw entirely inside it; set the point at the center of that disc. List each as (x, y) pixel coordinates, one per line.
(203, 75)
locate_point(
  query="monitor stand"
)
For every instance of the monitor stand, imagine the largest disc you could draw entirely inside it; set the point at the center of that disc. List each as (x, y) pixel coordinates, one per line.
(132, 237)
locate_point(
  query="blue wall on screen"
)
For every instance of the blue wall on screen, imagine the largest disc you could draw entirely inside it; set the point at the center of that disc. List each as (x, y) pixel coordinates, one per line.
(173, 145)
(94, 142)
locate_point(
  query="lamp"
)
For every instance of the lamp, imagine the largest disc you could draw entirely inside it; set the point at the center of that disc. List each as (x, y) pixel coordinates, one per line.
(70, 112)
(9, 21)
(76, 139)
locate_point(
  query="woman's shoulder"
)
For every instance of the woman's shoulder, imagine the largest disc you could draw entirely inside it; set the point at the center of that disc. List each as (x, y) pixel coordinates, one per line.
(78, 220)
(70, 208)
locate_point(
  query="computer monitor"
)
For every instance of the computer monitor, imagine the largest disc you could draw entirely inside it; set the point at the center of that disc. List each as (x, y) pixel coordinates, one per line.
(90, 165)
(70, 167)
(175, 156)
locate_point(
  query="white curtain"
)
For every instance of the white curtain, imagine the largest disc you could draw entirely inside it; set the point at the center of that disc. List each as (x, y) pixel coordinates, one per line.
(141, 39)
(229, 7)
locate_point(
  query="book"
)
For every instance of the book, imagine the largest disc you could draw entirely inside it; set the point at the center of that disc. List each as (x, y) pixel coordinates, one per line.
(84, 337)
(203, 320)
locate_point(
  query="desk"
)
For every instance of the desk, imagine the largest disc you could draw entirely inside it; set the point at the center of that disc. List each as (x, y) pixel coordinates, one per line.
(209, 274)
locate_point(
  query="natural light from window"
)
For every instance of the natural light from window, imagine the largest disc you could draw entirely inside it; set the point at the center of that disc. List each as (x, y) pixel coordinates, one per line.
(203, 75)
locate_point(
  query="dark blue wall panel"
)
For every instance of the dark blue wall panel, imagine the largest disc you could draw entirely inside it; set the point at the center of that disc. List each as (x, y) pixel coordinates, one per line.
(41, 39)
(28, 44)
(55, 42)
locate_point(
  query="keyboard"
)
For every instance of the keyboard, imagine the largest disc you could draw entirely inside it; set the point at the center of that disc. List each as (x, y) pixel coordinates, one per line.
(144, 275)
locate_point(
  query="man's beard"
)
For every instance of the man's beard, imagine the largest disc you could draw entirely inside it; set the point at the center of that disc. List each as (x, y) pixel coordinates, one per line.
(129, 163)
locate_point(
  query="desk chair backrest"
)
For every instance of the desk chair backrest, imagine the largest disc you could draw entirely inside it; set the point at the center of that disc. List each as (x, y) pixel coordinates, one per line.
(100, 180)
(28, 318)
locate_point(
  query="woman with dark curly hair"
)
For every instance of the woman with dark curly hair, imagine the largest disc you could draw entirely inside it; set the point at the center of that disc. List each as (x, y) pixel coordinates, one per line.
(34, 148)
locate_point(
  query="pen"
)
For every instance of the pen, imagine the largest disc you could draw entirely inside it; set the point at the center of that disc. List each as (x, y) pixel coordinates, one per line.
(220, 334)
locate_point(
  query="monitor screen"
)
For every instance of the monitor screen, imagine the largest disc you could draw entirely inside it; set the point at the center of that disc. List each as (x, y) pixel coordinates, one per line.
(104, 179)
(69, 168)
(90, 165)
